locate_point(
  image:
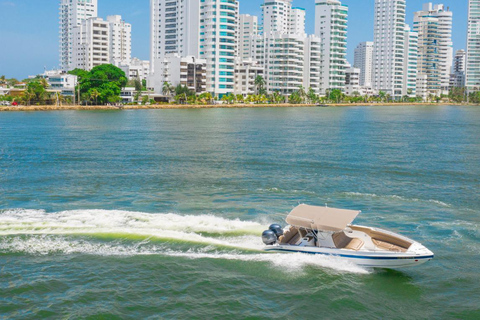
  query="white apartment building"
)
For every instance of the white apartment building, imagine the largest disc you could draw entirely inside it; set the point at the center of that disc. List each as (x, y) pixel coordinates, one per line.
(410, 62)
(276, 16)
(91, 44)
(247, 30)
(218, 44)
(363, 60)
(352, 80)
(177, 70)
(457, 78)
(284, 62)
(472, 81)
(175, 28)
(120, 40)
(312, 62)
(71, 14)
(136, 69)
(435, 47)
(297, 21)
(388, 49)
(331, 19)
(60, 81)
(246, 71)
(290, 58)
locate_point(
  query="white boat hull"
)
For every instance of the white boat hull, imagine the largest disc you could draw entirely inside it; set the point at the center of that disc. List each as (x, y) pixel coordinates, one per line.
(369, 259)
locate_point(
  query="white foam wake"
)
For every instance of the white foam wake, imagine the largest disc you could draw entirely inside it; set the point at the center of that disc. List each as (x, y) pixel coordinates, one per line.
(200, 229)
(48, 244)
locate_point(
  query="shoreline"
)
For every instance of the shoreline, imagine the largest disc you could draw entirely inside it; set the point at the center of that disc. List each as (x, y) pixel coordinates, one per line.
(214, 106)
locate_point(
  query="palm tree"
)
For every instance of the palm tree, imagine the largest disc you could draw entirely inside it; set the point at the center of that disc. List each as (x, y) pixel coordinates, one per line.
(382, 95)
(94, 94)
(28, 95)
(239, 98)
(259, 84)
(2, 80)
(167, 89)
(44, 83)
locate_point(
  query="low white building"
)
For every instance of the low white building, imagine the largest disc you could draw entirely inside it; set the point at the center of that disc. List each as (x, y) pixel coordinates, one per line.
(59, 81)
(352, 80)
(128, 95)
(136, 69)
(4, 90)
(174, 69)
(246, 71)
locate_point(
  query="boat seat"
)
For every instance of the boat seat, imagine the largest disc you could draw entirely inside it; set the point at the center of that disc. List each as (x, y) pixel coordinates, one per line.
(388, 246)
(289, 235)
(341, 241)
(356, 244)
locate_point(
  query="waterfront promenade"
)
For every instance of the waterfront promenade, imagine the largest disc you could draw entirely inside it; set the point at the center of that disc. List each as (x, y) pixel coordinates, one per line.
(214, 106)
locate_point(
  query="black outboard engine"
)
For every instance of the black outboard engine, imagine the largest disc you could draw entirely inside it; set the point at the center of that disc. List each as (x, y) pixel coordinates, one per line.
(277, 229)
(269, 237)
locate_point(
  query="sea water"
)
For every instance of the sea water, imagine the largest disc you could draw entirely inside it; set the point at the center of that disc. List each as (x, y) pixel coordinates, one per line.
(158, 213)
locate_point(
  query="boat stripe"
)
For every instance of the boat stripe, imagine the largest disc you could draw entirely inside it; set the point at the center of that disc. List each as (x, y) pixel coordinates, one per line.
(357, 257)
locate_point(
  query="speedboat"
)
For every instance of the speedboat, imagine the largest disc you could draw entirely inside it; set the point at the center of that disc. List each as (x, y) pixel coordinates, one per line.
(329, 231)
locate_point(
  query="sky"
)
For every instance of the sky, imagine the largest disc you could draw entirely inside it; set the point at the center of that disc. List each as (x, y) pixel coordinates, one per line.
(29, 29)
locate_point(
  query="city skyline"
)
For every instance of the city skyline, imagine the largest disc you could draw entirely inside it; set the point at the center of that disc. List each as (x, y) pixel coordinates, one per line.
(21, 63)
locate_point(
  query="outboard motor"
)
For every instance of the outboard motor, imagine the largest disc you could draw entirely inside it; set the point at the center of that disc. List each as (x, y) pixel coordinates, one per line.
(269, 237)
(277, 229)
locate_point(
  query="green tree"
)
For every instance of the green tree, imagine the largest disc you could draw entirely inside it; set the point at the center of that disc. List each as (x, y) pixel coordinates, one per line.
(12, 82)
(167, 89)
(138, 85)
(382, 95)
(336, 95)
(94, 94)
(260, 84)
(37, 91)
(107, 79)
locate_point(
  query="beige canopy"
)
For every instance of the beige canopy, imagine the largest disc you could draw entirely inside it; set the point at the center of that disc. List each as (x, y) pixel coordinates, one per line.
(321, 218)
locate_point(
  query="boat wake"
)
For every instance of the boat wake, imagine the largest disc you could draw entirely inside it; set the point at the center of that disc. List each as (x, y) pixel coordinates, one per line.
(123, 233)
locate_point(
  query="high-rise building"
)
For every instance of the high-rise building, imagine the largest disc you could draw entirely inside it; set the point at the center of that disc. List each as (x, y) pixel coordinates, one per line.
(72, 13)
(247, 30)
(297, 21)
(218, 43)
(331, 19)
(472, 81)
(276, 16)
(91, 44)
(120, 40)
(284, 62)
(175, 28)
(290, 58)
(410, 62)
(312, 63)
(457, 78)
(435, 47)
(364, 61)
(388, 48)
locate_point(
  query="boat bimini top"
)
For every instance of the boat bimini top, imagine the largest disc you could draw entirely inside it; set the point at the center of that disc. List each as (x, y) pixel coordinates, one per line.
(321, 218)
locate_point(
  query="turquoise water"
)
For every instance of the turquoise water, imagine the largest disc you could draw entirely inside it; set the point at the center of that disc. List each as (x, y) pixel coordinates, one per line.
(157, 214)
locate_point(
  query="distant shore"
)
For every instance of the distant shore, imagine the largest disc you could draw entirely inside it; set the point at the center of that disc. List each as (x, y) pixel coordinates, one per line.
(225, 106)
